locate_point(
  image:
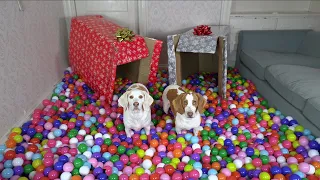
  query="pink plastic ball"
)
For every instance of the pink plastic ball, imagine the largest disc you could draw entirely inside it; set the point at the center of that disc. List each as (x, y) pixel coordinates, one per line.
(292, 160)
(286, 144)
(89, 177)
(303, 141)
(176, 176)
(123, 177)
(194, 174)
(127, 170)
(161, 148)
(304, 167)
(68, 167)
(165, 177)
(226, 171)
(144, 176)
(257, 162)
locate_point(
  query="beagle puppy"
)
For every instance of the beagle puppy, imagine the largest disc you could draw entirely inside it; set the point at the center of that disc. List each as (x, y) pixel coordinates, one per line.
(186, 107)
(136, 103)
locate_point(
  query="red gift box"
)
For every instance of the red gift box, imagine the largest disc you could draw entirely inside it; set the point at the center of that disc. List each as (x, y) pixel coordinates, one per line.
(95, 53)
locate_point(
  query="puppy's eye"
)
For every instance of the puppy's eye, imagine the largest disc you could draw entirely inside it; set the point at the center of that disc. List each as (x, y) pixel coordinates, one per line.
(194, 102)
(131, 97)
(185, 102)
(140, 96)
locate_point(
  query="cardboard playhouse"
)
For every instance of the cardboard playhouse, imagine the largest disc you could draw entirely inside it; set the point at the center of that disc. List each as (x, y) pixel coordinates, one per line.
(98, 57)
(189, 54)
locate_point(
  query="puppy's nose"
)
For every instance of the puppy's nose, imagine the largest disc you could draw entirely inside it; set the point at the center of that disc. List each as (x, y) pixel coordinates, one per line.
(135, 104)
(190, 114)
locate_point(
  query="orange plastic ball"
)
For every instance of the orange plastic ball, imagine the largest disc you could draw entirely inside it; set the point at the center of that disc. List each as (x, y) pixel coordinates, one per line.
(154, 143)
(134, 177)
(216, 166)
(76, 177)
(279, 177)
(221, 176)
(177, 153)
(10, 143)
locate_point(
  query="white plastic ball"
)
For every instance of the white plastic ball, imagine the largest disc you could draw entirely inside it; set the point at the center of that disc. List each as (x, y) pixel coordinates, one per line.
(289, 118)
(260, 136)
(68, 90)
(160, 165)
(88, 137)
(281, 159)
(247, 160)
(312, 170)
(62, 109)
(31, 174)
(146, 164)
(90, 142)
(73, 140)
(318, 140)
(67, 94)
(212, 177)
(233, 137)
(232, 106)
(51, 136)
(312, 153)
(17, 162)
(98, 135)
(185, 159)
(115, 98)
(29, 155)
(169, 121)
(87, 154)
(55, 98)
(153, 149)
(147, 171)
(58, 144)
(106, 136)
(255, 98)
(102, 111)
(82, 132)
(149, 152)
(68, 155)
(200, 172)
(238, 163)
(219, 158)
(65, 176)
(207, 152)
(196, 146)
(63, 126)
(84, 170)
(245, 91)
(265, 110)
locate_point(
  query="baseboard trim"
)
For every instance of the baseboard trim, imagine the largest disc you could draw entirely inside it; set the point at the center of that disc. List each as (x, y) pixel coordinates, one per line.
(27, 116)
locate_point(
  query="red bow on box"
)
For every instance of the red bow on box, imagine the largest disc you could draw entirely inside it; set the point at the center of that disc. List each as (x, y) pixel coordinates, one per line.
(202, 30)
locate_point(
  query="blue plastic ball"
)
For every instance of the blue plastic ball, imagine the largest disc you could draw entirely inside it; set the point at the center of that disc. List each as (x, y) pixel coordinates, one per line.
(7, 173)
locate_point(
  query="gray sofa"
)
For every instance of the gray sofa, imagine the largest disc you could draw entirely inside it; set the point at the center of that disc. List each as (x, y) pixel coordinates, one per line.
(285, 67)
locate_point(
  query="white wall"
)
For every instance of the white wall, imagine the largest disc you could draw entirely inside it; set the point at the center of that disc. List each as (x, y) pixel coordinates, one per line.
(314, 6)
(269, 6)
(170, 17)
(33, 51)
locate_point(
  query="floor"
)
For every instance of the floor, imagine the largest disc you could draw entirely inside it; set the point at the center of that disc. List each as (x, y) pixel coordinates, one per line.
(77, 135)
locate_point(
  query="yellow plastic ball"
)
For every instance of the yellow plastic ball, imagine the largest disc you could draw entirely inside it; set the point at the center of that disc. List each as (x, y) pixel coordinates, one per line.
(152, 168)
(236, 142)
(221, 141)
(36, 163)
(22, 178)
(271, 110)
(139, 171)
(246, 84)
(175, 161)
(232, 167)
(73, 120)
(109, 124)
(270, 123)
(295, 144)
(18, 138)
(228, 86)
(256, 152)
(249, 166)
(291, 137)
(317, 173)
(246, 106)
(143, 137)
(299, 128)
(98, 102)
(173, 164)
(16, 130)
(140, 153)
(266, 117)
(181, 140)
(294, 167)
(264, 176)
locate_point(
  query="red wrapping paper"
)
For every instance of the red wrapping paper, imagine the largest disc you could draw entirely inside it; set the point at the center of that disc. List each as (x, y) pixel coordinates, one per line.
(95, 53)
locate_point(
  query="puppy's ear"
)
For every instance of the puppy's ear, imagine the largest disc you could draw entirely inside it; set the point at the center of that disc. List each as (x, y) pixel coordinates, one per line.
(148, 100)
(201, 103)
(123, 100)
(177, 104)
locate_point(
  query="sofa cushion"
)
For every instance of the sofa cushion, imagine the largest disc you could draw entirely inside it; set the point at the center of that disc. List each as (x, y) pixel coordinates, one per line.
(310, 45)
(257, 60)
(312, 110)
(295, 83)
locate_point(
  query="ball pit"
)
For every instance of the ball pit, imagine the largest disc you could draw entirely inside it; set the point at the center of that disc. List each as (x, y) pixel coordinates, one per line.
(77, 135)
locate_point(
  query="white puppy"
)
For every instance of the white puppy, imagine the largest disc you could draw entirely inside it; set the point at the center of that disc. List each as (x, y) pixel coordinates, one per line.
(186, 107)
(136, 103)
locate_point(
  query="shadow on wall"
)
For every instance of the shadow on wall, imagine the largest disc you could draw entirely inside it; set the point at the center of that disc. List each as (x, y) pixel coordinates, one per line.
(164, 53)
(61, 58)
